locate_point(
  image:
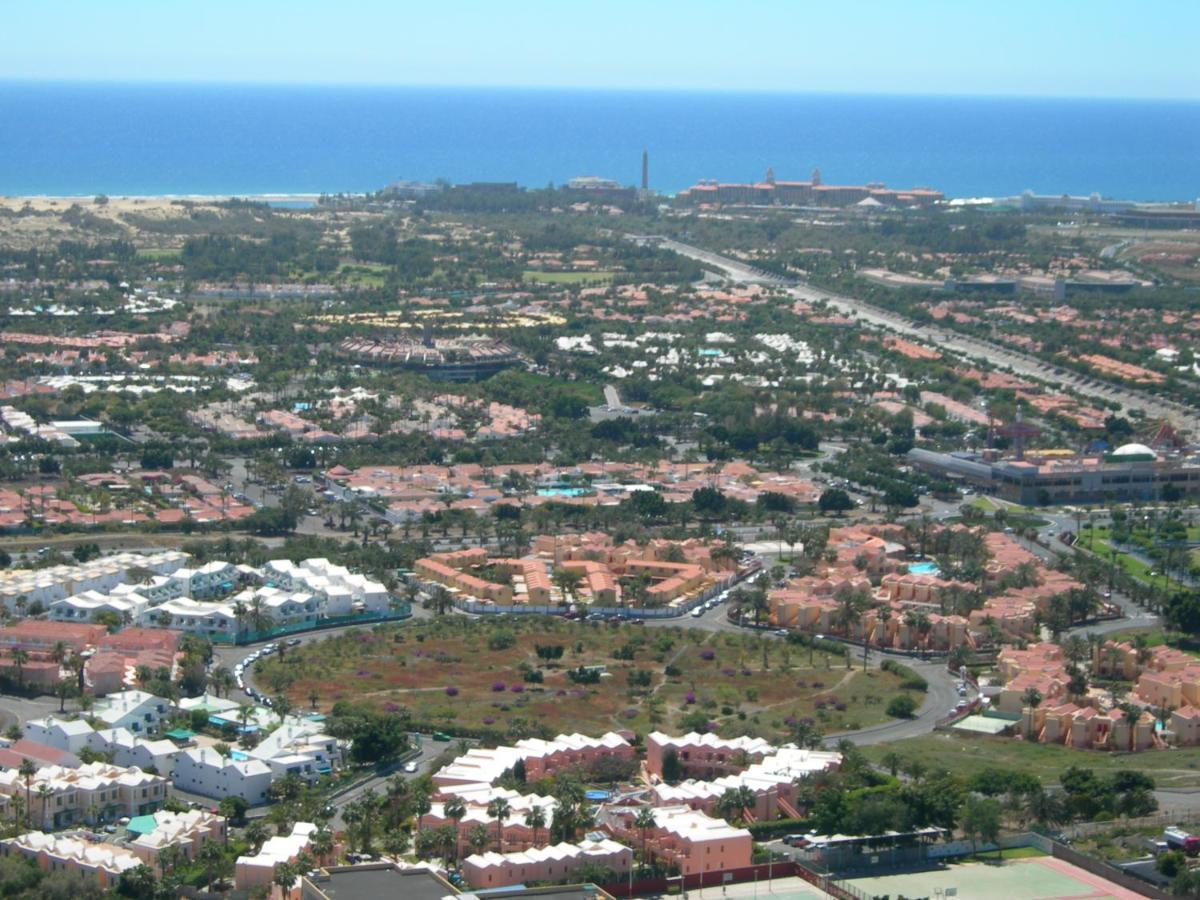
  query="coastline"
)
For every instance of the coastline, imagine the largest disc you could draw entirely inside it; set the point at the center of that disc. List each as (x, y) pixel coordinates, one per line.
(273, 196)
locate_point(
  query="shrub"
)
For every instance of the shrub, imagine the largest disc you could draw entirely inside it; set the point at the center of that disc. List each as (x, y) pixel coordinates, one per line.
(708, 654)
(902, 706)
(451, 691)
(911, 681)
(672, 671)
(497, 686)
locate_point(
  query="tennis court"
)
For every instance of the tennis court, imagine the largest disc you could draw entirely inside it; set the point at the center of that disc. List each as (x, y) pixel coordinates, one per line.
(1039, 878)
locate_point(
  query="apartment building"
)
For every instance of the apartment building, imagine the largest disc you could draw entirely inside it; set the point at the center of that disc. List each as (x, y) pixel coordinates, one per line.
(541, 758)
(97, 861)
(259, 870)
(204, 771)
(189, 831)
(133, 710)
(91, 793)
(556, 863)
(687, 838)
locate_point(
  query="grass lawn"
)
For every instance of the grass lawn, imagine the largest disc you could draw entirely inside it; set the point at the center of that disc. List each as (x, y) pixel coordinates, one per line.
(485, 666)
(967, 754)
(160, 254)
(567, 277)
(363, 274)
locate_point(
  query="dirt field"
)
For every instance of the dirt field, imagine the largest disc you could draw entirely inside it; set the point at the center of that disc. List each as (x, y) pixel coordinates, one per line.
(475, 675)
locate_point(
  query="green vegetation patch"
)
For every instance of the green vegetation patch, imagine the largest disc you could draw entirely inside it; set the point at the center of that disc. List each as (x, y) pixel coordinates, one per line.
(567, 277)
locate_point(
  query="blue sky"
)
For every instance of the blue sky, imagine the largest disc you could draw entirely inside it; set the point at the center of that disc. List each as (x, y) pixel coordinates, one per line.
(1099, 48)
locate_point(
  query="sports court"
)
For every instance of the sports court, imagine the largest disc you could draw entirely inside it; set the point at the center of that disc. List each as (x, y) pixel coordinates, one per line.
(1037, 878)
(777, 889)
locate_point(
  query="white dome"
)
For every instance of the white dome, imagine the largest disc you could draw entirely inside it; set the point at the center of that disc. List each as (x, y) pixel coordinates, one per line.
(1134, 450)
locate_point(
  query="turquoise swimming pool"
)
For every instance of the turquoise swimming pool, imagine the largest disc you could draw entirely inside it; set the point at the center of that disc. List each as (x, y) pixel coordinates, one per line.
(924, 568)
(563, 492)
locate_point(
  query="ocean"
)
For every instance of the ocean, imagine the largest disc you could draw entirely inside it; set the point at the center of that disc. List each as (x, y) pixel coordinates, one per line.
(82, 139)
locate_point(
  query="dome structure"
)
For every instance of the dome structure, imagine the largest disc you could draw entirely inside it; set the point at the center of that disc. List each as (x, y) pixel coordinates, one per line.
(1134, 451)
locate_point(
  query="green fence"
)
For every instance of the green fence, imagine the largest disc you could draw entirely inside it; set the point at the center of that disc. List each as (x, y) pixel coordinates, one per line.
(401, 610)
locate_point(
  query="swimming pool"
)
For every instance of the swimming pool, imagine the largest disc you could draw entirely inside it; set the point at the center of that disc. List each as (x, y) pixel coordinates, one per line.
(563, 492)
(924, 568)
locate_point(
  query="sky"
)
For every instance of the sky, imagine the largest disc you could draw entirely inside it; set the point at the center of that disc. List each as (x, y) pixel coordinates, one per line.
(1077, 48)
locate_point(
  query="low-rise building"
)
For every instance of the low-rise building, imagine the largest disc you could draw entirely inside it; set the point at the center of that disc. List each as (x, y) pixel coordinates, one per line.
(259, 870)
(188, 831)
(204, 771)
(91, 793)
(96, 861)
(556, 863)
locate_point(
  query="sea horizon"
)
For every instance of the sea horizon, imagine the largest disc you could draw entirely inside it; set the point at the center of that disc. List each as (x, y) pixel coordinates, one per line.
(215, 139)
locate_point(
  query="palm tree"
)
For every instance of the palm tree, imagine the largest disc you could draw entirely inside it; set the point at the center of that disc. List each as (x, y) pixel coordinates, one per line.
(323, 845)
(536, 820)
(567, 581)
(478, 838)
(285, 876)
(849, 611)
(643, 822)
(19, 657)
(499, 809)
(456, 811)
(44, 793)
(27, 770)
(212, 856)
(313, 696)
(1033, 699)
(892, 761)
(240, 612)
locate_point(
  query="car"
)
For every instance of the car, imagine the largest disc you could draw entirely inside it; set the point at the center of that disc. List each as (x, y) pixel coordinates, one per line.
(410, 767)
(962, 704)
(294, 642)
(697, 612)
(781, 632)
(796, 840)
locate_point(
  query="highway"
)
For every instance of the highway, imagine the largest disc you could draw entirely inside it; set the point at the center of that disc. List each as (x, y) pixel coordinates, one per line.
(1184, 417)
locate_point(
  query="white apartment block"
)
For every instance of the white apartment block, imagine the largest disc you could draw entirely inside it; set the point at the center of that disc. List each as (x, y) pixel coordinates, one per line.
(299, 747)
(204, 771)
(212, 579)
(192, 616)
(54, 583)
(72, 735)
(135, 711)
(124, 601)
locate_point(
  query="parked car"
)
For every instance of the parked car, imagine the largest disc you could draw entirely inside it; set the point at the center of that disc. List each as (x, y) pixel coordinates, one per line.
(410, 767)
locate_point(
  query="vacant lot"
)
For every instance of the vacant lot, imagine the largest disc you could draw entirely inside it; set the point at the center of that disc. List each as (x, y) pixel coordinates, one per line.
(455, 672)
(569, 277)
(967, 754)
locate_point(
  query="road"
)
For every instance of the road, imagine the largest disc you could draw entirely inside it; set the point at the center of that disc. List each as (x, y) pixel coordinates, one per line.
(939, 338)
(19, 710)
(430, 750)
